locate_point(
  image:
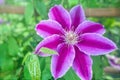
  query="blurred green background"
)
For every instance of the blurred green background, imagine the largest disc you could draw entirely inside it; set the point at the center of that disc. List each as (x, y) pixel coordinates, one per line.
(18, 40)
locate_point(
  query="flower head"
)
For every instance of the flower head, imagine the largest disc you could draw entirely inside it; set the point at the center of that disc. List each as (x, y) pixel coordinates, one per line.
(114, 61)
(1, 21)
(74, 39)
(2, 2)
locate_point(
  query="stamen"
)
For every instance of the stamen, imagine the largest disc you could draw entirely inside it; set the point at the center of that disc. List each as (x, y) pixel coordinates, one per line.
(71, 37)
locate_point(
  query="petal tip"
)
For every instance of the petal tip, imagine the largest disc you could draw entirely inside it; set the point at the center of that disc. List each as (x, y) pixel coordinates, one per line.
(78, 6)
(115, 48)
(61, 15)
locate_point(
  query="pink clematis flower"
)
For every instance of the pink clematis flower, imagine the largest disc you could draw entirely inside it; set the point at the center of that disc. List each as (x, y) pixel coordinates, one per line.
(114, 61)
(74, 39)
(2, 2)
(1, 21)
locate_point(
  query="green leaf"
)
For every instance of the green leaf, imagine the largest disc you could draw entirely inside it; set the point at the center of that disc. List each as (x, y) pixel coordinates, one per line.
(25, 58)
(70, 75)
(6, 63)
(40, 8)
(33, 66)
(97, 67)
(26, 73)
(42, 62)
(72, 2)
(46, 73)
(29, 11)
(54, 2)
(3, 51)
(47, 50)
(66, 3)
(13, 47)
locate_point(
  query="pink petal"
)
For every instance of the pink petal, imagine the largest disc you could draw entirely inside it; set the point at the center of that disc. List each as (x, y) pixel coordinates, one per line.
(49, 42)
(90, 27)
(48, 27)
(77, 15)
(82, 65)
(61, 63)
(61, 15)
(95, 44)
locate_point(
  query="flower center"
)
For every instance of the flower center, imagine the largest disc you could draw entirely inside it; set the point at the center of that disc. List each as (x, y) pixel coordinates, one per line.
(71, 37)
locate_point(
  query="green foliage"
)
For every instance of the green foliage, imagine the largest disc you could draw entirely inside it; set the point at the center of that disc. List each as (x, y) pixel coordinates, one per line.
(26, 73)
(33, 66)
(3, 51)
(29, 11)
(13, 47)
(18, 40)
(6, 63)
(71, 75)
(48, 51)
(42, 62)
(46, 74)
(99, 3)
(97, 68)
(40, 8)
(53, 2)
